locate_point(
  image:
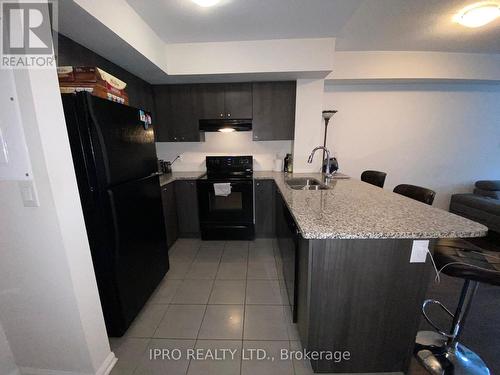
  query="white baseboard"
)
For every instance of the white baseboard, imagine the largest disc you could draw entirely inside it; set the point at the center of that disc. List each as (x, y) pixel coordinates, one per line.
(106, 367)
(42, 371)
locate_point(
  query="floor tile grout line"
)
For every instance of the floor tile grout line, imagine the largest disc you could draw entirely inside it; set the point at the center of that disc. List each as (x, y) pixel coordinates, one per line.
(168, 305)
(244, 309)
(138, 362)
(205, 312)
(284, 313)
(277, 273)
(199, 339)
(150, 339)
(213, 280)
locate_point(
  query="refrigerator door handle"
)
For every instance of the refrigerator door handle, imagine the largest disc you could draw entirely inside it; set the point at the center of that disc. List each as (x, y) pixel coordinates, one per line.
(115, 222)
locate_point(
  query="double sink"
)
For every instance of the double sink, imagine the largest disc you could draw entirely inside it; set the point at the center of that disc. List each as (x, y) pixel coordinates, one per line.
(306, 184)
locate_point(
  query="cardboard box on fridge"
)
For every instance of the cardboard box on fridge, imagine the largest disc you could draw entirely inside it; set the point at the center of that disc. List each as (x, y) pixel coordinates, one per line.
(96, 90)
(92, 79)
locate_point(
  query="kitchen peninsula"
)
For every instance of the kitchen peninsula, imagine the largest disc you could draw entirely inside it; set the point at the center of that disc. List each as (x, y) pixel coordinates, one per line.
(346, 253)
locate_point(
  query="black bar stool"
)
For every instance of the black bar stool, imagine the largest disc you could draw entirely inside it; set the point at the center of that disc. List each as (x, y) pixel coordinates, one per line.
(418, 193)
(374, 177)
(438, 351)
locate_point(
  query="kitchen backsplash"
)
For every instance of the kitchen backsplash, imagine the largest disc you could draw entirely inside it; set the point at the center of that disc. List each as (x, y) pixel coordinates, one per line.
(238, 143)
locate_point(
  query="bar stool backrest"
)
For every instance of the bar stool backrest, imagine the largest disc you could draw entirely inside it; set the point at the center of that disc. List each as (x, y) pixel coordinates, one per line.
(376, 178)
(418, 193)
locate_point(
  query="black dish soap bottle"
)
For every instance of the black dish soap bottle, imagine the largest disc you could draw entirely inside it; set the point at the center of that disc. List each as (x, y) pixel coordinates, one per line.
(287, 164)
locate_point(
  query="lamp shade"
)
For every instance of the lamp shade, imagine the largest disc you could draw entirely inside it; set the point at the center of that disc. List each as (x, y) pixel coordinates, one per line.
(328, 114)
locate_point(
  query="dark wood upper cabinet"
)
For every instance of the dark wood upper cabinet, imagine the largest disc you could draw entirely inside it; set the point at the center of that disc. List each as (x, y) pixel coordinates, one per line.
(180, 107)
(238, 100)
(210, 101)
(273, 111)
(176, 113)
(161, 97)
(224, 101)
(182, 116)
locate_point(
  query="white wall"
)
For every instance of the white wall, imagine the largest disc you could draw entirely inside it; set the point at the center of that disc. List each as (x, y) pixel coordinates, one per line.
(49, 305)
(237, 143)
(308, 124)
(279, 55)
(414, 65)
(436, 135)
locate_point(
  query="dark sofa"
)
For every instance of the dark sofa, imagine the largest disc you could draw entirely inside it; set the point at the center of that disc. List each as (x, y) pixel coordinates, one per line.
(482, 206)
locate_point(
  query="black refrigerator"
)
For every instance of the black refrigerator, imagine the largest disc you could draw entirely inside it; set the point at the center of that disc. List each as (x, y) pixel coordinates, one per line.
(116, 167)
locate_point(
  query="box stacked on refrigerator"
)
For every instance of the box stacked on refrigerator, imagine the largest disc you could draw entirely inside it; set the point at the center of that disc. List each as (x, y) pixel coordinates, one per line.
(92, 79)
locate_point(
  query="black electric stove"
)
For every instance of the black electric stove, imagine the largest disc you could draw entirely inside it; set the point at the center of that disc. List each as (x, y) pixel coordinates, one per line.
(227, 217)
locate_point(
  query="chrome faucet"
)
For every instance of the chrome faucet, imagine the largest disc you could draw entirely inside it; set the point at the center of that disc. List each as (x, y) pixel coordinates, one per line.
(328, 175)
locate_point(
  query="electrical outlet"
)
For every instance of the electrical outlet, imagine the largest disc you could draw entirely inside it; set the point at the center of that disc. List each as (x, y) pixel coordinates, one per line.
(419, 251)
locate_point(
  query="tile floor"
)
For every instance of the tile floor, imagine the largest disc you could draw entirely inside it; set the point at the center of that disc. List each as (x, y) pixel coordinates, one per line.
(231, 295)
(226, 295)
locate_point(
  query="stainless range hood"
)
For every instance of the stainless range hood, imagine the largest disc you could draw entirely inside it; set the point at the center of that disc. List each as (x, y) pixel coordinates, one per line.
(225, 125)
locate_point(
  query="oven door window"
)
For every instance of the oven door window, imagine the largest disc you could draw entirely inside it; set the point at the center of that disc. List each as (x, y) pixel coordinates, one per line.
(237, 207)
(233, 202)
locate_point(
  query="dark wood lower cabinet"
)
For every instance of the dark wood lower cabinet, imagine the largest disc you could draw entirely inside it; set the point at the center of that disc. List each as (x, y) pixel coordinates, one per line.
(359, 296)
(187, 208)
(288, 240)
(170, 213)
(265, 208)
(364, 298)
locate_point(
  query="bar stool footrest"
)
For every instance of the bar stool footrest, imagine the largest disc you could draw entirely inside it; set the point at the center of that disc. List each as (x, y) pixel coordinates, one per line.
(443, 307)
(456, 360)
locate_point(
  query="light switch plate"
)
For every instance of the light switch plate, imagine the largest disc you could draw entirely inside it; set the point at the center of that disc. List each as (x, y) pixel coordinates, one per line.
(15, 162)
(419, 251)
(4, 155)
(28, 193)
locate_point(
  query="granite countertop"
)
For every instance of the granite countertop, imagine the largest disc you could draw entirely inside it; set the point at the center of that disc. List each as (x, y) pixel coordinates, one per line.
(170, 177)
(352, 209)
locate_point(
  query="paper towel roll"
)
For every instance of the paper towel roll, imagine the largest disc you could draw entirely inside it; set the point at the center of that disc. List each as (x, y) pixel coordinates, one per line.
(278, 165)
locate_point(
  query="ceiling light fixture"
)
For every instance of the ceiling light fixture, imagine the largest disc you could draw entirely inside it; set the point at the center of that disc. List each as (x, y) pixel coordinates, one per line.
(226, 130)
(206, 3)
(478, 14)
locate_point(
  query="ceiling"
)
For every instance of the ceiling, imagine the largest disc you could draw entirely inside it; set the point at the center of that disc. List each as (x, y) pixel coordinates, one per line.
(358, 25)
(181, 21)
(417, 25)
